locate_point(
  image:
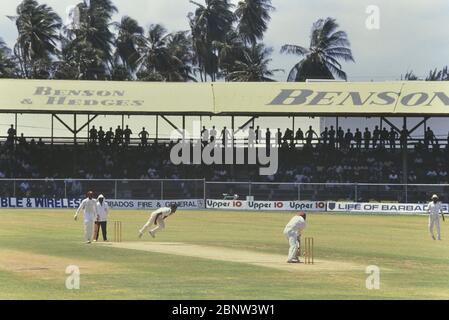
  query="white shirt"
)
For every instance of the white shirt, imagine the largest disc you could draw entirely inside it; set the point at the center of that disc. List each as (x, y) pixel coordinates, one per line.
(434, 208)
(297, 224)
(164, 211)
(102, 211)
(90, 209)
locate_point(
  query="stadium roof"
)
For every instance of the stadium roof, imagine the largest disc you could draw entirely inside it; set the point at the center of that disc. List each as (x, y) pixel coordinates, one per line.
(412, 98)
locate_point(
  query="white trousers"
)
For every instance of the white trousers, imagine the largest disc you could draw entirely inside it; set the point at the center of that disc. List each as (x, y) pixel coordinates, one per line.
(292, 237)
(88, 228)
(160, 223)
(434, 220)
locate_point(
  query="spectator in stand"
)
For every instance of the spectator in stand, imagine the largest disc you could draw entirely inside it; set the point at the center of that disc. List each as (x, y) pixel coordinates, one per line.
(325, 136)
(22, 140)
(101, 137)
(358, 138)
(127, 134)
(299, 136)
(429, 137)
(340, 137)
(11, 135)
(204, 136)
(225, 137)
(383, 137)
(367, 138)
(93, 135)
(143, 135)
(376, 136)
(118, 136)
(279, 138)
(309, 135)
(268, 138)
(392, 136)
(109, 136)
(213, 134)
(332, 137)
(348, 139)
(403, 137)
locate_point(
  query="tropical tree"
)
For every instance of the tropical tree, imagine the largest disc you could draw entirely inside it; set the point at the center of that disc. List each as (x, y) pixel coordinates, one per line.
(7, 64)
(230, 50)
(328, 46)
(38, 35)
(438, 75)
(130, 37)
(410, 76)
(210, 22)
(254, 67)
(89, 45)
(254, 16)
(165, 56)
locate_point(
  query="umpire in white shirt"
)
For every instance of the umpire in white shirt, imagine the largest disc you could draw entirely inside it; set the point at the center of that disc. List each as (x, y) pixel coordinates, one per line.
(102, 219)
(89, 205)
(435, 209)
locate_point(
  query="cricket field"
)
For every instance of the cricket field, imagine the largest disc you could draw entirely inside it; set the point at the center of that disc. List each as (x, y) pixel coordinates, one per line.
(221, 255)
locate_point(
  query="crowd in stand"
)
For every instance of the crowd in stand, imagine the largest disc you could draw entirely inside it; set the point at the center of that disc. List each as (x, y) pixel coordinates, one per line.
(335, 157)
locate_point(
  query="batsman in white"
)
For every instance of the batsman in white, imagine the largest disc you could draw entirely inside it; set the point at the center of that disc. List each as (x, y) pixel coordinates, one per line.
(90, 214)
(292, 232)
(158, 218)
(435, 209)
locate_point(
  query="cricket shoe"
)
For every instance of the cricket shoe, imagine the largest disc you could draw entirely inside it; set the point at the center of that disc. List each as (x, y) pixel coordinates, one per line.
(152, 234)
(293, 261)
(140, 234)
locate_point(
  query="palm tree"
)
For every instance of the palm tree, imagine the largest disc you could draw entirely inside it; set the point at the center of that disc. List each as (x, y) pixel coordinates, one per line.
(438, 75)
(89, 46)
(165, 56)
(210, 22)
(7, 65)
(253, 16)
(253, 67)
(130, 37)
(410, 76)
(230, 50)
(38, 34)
(327, 47)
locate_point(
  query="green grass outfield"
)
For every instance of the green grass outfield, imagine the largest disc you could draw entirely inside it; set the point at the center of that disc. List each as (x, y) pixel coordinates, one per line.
(36, 246)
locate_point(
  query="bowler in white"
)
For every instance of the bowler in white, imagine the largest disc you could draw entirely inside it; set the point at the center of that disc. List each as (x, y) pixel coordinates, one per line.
(435, 209)
(158, 218)
(89, 205)
(292, 232)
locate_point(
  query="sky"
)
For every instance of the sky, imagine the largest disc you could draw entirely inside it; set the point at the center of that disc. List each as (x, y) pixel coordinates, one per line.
(412, 34)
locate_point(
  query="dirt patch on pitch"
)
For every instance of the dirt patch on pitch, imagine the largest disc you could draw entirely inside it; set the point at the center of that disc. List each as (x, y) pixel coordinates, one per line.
(45, 266)
(260, 259)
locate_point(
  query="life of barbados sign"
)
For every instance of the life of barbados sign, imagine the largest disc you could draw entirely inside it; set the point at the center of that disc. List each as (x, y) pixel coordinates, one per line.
(413, 97)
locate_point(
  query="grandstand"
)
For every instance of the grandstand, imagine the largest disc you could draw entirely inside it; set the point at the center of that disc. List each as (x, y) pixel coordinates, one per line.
(344, 157)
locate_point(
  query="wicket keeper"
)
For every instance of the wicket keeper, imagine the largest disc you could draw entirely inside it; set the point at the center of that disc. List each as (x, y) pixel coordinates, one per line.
(435, 209)
(292, 232)
(158, 218)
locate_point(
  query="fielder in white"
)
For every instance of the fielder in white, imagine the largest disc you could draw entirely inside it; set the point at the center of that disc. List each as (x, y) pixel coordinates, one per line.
(89, 205)
(158, 218)
(435, 209)
(292, 232)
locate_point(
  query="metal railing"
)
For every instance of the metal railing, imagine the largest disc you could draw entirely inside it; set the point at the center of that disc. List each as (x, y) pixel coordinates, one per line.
(353, 192)
(167, 189)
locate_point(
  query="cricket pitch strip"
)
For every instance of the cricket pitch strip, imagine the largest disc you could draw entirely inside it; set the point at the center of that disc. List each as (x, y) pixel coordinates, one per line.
(268, 260)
